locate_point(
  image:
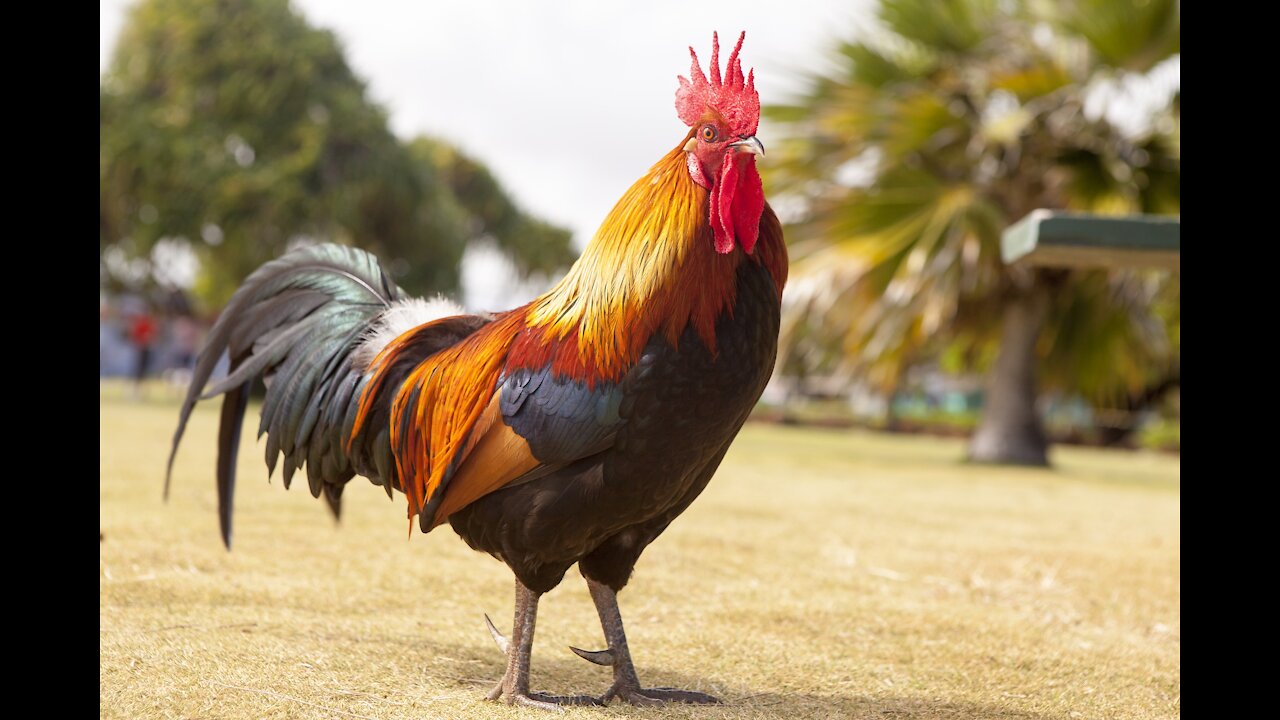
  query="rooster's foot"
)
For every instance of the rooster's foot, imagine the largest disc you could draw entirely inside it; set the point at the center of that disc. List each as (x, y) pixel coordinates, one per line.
(542, 701)
(648, 697)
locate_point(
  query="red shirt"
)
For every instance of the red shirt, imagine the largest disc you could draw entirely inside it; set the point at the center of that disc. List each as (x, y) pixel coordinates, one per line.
(143, 330)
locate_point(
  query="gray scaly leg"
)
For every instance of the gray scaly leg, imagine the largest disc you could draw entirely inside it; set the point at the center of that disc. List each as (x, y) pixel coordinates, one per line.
(626, 685)
(519, 650)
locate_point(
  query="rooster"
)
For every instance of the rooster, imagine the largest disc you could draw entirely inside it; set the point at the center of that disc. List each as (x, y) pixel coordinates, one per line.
(571, 430)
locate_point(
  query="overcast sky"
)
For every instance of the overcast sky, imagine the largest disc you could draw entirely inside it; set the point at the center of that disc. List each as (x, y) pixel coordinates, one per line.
(568, 102)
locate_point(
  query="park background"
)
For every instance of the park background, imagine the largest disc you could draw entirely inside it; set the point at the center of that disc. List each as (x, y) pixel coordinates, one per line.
(950, 539)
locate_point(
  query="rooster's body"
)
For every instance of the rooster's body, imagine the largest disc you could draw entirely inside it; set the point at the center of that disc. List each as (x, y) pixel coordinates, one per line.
(571, 430)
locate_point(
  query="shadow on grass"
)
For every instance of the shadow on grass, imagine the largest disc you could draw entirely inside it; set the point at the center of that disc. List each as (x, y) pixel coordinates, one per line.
(472, 668)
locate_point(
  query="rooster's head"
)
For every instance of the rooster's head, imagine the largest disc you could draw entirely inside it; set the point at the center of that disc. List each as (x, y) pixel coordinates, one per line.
(722, 146)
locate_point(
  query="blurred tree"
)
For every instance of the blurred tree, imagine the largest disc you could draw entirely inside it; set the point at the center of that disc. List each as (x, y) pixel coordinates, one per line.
(234, 128)
(534, 245)
(907, 160)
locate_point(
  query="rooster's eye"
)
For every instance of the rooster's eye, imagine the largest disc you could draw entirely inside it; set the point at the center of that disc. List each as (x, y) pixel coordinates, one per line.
(709, 133)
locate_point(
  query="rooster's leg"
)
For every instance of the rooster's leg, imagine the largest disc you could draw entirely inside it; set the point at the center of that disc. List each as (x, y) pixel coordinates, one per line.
(519, 649)
(626, 684)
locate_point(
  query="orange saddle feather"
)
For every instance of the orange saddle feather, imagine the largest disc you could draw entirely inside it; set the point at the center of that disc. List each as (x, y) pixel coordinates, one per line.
(450, 443)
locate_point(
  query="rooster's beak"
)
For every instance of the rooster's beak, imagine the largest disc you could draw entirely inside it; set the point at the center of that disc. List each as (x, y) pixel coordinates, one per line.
(751, 145)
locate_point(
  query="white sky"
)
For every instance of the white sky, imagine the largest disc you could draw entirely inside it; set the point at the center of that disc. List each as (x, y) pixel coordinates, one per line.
(567, 102)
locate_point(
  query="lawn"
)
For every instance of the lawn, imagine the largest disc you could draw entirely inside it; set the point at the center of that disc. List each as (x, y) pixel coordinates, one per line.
(822, 574)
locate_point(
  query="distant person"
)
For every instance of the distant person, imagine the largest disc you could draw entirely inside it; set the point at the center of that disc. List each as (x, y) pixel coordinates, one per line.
(186, 341)
(184, 331)
(106, 334)
(142, 333)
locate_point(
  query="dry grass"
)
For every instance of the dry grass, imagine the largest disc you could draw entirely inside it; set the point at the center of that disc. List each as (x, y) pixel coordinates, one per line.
(822, 574)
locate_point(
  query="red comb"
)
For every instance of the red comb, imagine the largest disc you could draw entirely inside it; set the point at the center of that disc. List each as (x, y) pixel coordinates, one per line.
(735, 97)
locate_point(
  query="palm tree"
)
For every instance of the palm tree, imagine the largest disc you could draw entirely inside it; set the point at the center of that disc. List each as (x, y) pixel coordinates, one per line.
(902, 166)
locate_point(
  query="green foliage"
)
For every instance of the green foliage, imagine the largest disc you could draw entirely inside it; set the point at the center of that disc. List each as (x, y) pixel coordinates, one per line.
(931, 137)
(1163, 434)
(238, 128)
(534, 245)
(1133, 35)
(942, 25)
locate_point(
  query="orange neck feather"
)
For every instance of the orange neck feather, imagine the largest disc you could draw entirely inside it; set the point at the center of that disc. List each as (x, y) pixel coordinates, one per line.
(651, 267)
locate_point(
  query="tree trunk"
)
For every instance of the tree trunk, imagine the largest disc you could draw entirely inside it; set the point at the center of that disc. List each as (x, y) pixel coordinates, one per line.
(1010, 431)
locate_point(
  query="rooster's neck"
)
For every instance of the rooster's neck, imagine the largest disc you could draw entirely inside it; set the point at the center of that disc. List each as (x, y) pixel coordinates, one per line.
(651, 267)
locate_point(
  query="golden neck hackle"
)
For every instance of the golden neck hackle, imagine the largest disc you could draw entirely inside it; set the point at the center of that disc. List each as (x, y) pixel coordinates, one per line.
(650, 267)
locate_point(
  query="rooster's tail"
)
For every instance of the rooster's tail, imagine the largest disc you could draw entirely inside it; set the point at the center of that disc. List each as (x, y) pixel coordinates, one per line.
(308, 324)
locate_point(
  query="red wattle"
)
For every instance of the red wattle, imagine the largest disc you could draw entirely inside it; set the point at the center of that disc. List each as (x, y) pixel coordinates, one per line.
(737, 201)
(722, 205)
(748, 205)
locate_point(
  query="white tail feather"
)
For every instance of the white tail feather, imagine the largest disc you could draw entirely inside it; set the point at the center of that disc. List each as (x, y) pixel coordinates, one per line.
(398, 319)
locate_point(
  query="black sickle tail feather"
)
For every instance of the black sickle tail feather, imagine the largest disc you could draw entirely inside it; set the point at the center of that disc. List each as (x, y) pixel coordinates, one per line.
(295, 322)
(233, 407)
